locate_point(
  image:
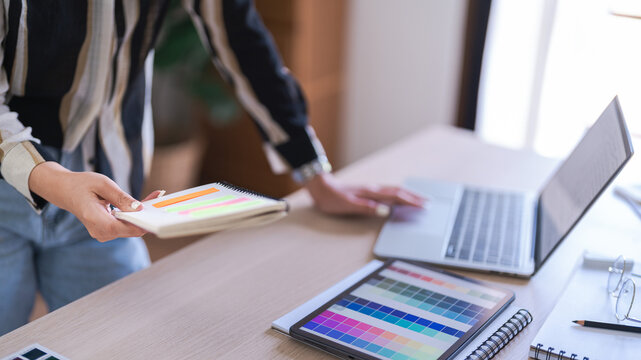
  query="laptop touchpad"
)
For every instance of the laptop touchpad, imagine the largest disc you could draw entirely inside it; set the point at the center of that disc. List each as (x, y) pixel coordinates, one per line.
(431, 221)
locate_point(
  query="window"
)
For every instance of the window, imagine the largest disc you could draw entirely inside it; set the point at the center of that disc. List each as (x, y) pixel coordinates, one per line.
(552, 66)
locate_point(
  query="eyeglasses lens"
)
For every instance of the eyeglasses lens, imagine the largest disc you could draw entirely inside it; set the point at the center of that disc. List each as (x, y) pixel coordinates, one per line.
(616, 275)
(625, 299)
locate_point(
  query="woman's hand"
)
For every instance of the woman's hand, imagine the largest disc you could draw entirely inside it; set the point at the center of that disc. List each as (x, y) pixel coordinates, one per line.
(88, 196)
(334, 198)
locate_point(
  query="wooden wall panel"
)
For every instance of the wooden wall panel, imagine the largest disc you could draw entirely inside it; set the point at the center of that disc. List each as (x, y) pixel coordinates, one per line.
(310, 36)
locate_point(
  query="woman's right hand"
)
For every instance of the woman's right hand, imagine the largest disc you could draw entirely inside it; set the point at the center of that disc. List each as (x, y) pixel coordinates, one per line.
(87, 195)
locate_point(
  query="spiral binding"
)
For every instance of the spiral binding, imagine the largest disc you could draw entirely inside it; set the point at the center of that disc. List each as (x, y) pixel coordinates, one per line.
(550, 352)
(501, 337)
(243, 190)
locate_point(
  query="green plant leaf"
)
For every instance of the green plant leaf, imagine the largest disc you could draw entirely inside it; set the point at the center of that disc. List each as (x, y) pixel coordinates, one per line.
(180, 50)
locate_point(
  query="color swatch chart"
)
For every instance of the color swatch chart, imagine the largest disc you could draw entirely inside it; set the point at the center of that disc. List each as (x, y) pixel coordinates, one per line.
(372, 339)
(493, 297)
(397, 315)
(202, 203)
(427, 300)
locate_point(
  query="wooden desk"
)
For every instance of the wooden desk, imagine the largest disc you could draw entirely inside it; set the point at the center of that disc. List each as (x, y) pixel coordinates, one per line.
(216, 298)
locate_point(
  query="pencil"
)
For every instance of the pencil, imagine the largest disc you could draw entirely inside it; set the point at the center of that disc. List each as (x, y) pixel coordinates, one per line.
(608, 326)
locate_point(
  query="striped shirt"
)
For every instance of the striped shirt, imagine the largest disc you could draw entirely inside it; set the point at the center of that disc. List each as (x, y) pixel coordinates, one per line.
(77, 73)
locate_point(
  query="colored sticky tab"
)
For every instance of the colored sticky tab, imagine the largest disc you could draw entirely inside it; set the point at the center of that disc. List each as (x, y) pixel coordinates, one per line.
(220, 204)
(184, 197)
(198, 204)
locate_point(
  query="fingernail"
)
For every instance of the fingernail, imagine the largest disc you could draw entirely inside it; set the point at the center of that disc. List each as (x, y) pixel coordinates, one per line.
(382, 210)
(161, 193)
(135, 205)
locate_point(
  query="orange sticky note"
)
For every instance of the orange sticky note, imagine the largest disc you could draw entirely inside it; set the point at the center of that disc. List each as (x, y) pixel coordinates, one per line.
(184, 197)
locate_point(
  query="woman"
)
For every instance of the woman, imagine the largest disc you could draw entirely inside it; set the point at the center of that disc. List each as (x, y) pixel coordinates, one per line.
(76, 137)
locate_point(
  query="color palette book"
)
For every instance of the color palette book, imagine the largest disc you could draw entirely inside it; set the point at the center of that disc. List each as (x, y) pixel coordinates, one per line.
(204, 209)
(402, 311)
(427, 321)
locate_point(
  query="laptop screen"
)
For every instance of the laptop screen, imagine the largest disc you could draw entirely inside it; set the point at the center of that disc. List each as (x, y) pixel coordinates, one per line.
(581, 178)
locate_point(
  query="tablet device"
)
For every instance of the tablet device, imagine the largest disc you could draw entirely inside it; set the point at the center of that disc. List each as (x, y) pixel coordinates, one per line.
(403, 310)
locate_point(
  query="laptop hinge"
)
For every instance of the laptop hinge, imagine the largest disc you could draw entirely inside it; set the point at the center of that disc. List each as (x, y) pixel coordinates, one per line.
(536, 229)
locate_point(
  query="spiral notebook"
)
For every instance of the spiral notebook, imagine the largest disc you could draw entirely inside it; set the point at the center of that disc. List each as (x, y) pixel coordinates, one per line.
(585, 298)
(501, 336)
(205, 209)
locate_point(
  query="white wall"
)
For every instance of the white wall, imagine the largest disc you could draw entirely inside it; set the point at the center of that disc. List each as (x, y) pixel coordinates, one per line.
(403, 66)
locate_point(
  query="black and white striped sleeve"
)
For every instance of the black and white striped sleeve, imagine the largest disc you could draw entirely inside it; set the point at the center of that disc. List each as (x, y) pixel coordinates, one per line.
(244, 52)
(20, 152)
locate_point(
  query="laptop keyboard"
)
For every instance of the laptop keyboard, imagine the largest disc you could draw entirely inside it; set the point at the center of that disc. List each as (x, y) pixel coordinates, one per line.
(487, 228)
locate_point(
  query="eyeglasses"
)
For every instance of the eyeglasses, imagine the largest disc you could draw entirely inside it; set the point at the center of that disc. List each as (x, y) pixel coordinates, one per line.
(621, 286)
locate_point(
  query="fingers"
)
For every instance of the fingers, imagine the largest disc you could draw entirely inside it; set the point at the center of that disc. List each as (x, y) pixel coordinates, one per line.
(393, 195)
(154, 195)
(349, 204)
(103, 226)
(111, 192)
(118, 229)
(370, 208)
(361, 206)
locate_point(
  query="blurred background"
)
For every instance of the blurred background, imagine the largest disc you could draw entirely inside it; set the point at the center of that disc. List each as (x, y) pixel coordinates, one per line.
(373, 72)
(528, 74)
(532, 74)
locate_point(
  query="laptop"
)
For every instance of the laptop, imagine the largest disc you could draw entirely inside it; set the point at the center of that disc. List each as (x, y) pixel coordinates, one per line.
(508, 232)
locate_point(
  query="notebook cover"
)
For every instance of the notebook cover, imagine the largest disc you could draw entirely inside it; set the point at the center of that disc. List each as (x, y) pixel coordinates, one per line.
(204, 209)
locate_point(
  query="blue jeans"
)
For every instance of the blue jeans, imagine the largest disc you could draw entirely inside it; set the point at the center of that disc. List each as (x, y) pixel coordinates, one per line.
(53, 253)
